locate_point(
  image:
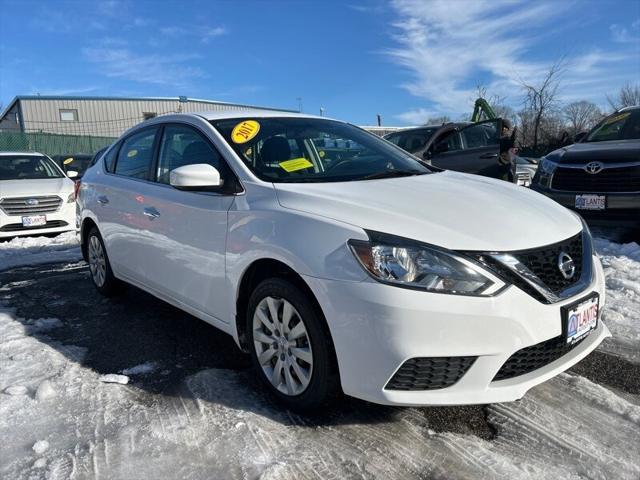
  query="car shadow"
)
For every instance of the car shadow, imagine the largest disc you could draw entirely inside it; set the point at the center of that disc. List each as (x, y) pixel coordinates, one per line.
(137, 328)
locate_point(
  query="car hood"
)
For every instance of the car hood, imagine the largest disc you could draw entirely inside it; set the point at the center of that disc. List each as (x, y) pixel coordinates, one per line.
(614, 151)
(449, 209)
(36, 187)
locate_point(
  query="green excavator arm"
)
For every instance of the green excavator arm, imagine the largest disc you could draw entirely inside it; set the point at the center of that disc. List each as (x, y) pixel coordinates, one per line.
(482, 107)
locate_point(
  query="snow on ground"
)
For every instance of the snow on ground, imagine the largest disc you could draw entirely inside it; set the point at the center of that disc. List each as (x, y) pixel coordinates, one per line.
(61, 420)
(64, 422)
(621, 264)
(24, 251)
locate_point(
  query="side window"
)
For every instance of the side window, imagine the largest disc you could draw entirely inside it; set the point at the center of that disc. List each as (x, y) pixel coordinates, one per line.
(480, 135)
(136, 155)
(110, 158)
(450, 143)
(182, 145)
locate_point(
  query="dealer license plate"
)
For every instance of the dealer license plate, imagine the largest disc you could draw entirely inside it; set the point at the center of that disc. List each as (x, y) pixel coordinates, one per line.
(34, 221)
(580, 318)
(591, 202)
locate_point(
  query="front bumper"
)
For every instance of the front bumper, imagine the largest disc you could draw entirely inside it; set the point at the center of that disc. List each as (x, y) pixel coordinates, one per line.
(62, 220)
(376, 328)
(622, 209)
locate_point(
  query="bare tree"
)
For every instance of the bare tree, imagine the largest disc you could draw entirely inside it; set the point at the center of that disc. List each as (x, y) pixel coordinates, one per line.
(628, 96)
(541, 98)
(581, 116)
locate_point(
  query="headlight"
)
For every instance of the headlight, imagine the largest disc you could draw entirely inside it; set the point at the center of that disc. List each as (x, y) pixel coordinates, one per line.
(545, 172)
(71, 198)
(408, 264)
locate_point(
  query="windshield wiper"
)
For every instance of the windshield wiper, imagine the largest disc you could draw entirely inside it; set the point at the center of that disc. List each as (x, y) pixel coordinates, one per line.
(393, 173)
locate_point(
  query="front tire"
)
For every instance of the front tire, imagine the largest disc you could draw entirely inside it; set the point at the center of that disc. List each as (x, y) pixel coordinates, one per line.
(290, 346)
(100, 268)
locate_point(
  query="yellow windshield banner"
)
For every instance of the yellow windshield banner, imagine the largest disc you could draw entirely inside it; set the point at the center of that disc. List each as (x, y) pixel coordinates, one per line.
(622, 116)
(295, 164)
(245, 131)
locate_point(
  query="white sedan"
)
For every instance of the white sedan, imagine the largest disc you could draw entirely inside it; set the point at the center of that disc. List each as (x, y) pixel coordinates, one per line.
(36, 197)
(357, 268)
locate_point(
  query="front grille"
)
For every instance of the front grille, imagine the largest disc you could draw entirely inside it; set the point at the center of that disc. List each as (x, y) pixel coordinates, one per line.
(18, 206)
(430, 373)
(543, 262)
(536, 356)
(16, 227)
(614, 180)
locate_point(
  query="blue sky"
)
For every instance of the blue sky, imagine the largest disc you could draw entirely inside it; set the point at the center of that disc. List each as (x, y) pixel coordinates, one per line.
(404, 59)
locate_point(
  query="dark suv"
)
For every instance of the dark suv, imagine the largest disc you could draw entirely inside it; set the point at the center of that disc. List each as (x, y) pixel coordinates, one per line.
(599, 176)
(463, 147)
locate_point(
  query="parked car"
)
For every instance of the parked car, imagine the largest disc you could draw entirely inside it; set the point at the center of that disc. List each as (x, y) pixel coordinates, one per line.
(394, 281)
(75, 162)
(463, 147)
(598, 176)
(36, 197)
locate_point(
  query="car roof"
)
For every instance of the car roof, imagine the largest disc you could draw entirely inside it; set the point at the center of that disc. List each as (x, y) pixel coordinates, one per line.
(244, 113)
(35, 154)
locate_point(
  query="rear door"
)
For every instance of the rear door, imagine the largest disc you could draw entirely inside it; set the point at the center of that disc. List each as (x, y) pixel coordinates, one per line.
(477, 150)
(187, 229)
(120, 204)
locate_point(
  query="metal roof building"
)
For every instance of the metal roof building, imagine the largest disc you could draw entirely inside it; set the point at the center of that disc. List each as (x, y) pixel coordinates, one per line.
(97, 116)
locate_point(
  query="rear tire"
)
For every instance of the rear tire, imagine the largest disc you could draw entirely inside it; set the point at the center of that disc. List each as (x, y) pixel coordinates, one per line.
(99, 267)
(290, 346)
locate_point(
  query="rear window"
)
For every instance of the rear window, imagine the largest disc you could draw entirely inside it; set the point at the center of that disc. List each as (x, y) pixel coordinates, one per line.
(412, 140)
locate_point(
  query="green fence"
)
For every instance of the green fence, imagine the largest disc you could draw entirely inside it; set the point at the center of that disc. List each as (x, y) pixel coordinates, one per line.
(51, 143)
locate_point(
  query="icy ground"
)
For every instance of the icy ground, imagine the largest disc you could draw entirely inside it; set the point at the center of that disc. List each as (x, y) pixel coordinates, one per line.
(70, 411)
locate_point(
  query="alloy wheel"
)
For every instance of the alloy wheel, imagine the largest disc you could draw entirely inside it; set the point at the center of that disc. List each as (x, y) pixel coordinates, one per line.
(282, 345)
(97, 261)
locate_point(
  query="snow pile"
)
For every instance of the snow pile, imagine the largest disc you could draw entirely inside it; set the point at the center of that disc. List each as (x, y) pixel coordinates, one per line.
(622, 310)
(24, 251)
(66, 423)
(142, 369)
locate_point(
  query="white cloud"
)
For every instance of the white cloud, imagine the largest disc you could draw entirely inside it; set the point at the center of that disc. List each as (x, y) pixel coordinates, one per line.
(204, 33)
(152, 68)
(621, 34)
(448, 47)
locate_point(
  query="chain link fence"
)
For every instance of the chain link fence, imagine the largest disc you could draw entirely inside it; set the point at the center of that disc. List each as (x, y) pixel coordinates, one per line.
(52, 144)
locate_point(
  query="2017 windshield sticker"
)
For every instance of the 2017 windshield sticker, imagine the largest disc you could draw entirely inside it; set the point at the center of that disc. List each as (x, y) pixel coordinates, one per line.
(67, 161)
(132, 153)
(245, 131)
(295, 164)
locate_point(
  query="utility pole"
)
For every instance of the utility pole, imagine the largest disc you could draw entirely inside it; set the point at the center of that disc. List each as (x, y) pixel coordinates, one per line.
(299, 99)
(322, 111)
(379, 120)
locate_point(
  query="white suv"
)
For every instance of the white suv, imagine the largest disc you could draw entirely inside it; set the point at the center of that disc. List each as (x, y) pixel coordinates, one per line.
(345, 263)
(36, 197)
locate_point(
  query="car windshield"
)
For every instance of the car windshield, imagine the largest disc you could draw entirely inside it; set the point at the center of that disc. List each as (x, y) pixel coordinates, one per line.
(27, 167)
(620, 126)
(411, 140)
(294, 149)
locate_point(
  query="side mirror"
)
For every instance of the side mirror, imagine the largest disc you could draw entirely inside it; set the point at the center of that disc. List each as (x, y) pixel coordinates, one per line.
(72, 173)
(579, 137)
(199, 176)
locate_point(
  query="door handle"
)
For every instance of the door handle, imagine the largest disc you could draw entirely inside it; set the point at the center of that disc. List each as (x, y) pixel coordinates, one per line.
(489, 155)
(151, 213)
(102, 200)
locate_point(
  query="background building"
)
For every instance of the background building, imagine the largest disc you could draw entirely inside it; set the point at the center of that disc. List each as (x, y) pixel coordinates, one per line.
(61, 124)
